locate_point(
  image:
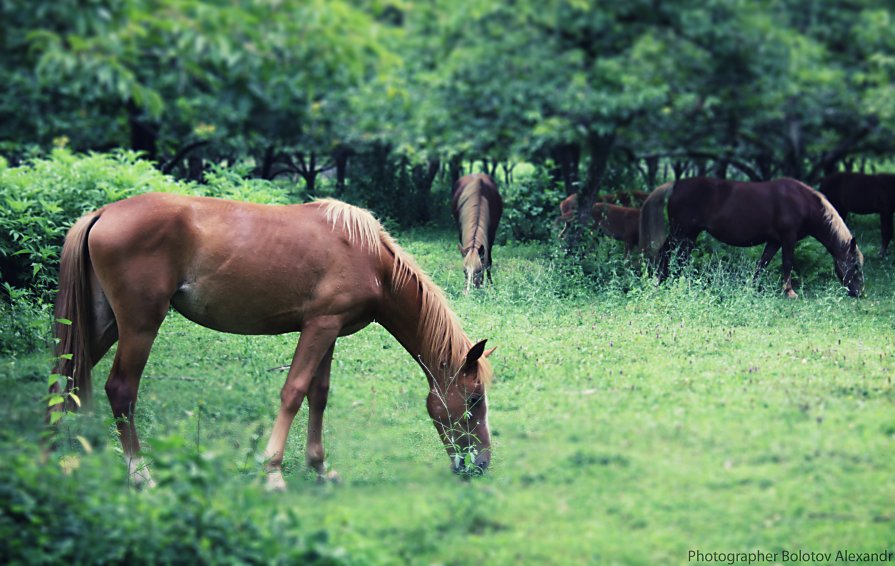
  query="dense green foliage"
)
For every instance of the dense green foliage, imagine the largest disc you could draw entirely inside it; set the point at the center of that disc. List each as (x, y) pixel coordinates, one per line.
(381, 93)
(632, 423)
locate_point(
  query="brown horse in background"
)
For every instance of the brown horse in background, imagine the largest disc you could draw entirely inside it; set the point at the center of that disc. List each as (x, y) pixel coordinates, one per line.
(325, 269)
(568, 208)
(776, 213)
(618, 222)
(864, 194)
(477, 209)
(569, 205)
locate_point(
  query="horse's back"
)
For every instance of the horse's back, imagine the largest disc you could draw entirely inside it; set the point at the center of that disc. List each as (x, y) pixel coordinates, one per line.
(741, 213)
(229, 265)
(860, 193)
(486, 188)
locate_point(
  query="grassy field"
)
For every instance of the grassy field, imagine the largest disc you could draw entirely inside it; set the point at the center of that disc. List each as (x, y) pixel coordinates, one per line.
(632, 423)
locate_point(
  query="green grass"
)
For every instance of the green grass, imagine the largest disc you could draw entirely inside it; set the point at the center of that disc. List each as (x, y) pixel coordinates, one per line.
(631, 423)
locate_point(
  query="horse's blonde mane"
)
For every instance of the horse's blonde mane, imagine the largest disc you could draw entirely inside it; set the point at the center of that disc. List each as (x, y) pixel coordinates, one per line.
(438, 325)
(359, 224)
(834, 220)
(831, 216)
(474, 215)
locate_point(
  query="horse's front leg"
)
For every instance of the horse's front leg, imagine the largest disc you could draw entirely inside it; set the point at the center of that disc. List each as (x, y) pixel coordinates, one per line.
(318, 394)
(316, 342)
(770, 250)
(789, 248)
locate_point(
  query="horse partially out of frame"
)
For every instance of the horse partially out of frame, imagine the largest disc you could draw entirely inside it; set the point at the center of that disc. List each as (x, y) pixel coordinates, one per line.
(477, 208)
(864, 194)
(776, 213)
(325, 269)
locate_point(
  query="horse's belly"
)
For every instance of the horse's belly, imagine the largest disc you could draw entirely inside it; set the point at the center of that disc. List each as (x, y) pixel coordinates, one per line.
(240, 313)
(733, 238)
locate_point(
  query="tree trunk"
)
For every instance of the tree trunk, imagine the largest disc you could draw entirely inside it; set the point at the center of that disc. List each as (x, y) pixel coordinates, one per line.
(340, 158)
(143, 135)
(568, 160)
(455, 169)
(598, 148)
(266, 171)
(195, 169)
(423, 176)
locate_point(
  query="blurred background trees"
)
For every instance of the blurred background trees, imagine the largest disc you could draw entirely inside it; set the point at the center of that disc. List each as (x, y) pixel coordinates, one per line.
(386, 102)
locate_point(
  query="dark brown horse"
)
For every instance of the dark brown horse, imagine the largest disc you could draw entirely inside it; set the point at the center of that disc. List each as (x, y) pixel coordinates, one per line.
(618, 222)
(325, 269)
(776, 213)
(863, 194)
(477, 209)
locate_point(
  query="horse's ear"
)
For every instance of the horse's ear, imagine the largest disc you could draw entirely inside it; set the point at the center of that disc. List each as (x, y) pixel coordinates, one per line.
(489, 351)
(474, 354)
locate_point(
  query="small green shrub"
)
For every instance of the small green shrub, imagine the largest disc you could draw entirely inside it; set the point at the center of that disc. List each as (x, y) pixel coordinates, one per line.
(531, 207)
(80, 510)
(24, 321)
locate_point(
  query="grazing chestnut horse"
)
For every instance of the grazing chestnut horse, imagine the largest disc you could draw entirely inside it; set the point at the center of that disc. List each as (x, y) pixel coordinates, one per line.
(477, 208)
(776, 213)
(325, 269)
(568, 208)
(618, 222)
(864, 194)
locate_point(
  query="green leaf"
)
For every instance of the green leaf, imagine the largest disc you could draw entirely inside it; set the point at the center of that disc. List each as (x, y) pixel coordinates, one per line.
(55, 400)
(55, 416)
(64, 321)
(67, 356)
(75, 398)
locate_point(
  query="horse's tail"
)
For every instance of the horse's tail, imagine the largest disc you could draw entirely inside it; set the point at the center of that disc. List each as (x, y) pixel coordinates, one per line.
(654, 221)
(73, 309)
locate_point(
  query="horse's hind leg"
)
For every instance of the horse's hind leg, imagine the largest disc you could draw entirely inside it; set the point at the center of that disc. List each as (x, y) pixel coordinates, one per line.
(138, 320)
(317, 339)
(318, 393)
(770, 250)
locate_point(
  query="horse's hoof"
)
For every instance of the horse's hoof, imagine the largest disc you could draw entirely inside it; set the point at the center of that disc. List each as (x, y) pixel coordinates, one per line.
(331, 476)
(275, 481)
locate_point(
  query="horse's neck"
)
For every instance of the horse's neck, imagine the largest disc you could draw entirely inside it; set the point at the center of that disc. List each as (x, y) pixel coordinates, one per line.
(825, 232)
(401, 315)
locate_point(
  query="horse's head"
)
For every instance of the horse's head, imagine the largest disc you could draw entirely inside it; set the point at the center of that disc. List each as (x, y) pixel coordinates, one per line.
(473, 265)
(459, 410)
(850, 269)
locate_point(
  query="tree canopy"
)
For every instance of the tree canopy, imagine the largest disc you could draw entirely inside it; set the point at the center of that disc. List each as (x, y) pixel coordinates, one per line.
(382, 95)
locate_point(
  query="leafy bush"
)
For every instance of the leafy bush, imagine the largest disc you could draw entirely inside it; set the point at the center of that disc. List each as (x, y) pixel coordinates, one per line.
(42, 199)
(80, 510)
(24, 321)
(531, 206)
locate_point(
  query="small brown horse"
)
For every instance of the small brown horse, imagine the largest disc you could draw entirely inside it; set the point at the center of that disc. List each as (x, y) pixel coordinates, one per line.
(618, 222)
(864, 194)
(568, 208)
(477, 208)
(325, 269)
(776, 213)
